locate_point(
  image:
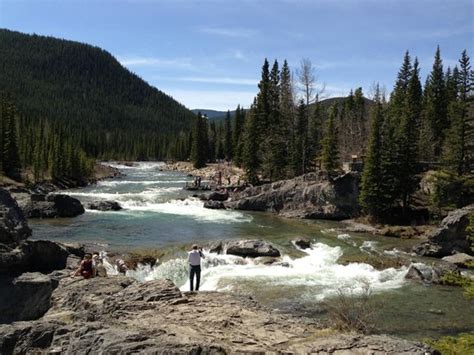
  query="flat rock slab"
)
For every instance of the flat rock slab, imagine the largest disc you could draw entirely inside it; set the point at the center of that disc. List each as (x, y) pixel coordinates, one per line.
(120, 315)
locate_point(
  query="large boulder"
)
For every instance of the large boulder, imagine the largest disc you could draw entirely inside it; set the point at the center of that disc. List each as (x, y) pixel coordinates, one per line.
(459, 259)
(218, 196)
(251, 248)
(25, 297)
(105, 206)
(214, 205)
(430, 274)
(52, 206)
(302, 243)
(34, 255)
(13, 225)
(314, 195)
(450, 237)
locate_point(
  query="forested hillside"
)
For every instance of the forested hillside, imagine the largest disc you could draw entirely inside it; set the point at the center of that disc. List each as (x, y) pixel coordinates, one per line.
(69, 96)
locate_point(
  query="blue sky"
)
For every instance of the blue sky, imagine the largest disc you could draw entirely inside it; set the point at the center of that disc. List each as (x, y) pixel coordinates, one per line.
(208, 53)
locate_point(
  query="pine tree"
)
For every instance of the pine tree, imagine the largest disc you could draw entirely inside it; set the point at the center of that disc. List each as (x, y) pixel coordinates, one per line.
(287, 113)
(435, 102)
(10, 155)
(200, 143)
(330, 152)
(250, 147)
(237, 135)
(458, 147)
(407, 138)
(228, 137)
(372, 194)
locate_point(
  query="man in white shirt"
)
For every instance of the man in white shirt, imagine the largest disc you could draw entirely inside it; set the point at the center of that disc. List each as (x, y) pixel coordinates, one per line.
(194, 259)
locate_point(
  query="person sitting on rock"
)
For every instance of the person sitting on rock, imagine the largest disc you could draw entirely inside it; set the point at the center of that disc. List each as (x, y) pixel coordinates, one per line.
(121, 266)
(85, 268)
(98, 265)
(194, 259)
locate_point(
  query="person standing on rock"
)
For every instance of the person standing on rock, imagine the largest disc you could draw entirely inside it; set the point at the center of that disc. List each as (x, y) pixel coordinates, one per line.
(194, 259)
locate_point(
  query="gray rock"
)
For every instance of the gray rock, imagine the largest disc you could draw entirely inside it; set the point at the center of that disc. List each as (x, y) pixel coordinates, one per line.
(429, 274)
(105, 206)
(302, 243)
(214, 205)
(53, 206)
(451, 236)
(117, 315)
(251, 248)
(34, 255)
(13, 225)
(460, 259)
(25, 297)
(314, 196)
(218, 196)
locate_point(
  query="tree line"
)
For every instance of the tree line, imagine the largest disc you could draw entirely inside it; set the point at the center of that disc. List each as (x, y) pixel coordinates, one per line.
(284, 134)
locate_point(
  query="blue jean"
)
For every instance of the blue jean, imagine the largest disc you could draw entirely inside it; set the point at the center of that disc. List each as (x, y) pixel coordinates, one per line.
(194, 270)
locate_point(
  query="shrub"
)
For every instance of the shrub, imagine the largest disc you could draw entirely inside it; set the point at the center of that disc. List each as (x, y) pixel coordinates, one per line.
(458, 345)
(350, 311)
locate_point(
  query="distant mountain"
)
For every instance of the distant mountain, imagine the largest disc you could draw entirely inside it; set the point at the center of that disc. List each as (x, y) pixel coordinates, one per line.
(213, 115)
(111, 112)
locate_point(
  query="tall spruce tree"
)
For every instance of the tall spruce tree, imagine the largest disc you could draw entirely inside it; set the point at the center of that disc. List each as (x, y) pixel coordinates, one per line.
(250, 148)
(9, 149)
(372, 195)
(408, 137)
(435, 109)
(228, 137)
(287, 113)
(330, 152)
(237, 135)
(200, 143)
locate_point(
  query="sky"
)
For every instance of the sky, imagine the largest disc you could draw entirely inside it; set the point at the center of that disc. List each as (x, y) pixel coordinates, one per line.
(209, 53)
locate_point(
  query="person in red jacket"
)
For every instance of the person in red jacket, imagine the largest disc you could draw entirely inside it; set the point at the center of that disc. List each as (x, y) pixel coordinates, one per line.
(85, 268)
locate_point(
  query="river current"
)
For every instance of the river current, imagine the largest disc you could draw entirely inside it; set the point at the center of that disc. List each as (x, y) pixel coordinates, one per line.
(159, 214)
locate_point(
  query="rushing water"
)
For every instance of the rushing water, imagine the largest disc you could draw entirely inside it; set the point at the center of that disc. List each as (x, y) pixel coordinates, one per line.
(158, 213)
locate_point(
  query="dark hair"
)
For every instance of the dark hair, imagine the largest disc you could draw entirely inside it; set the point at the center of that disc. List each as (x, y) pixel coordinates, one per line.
(87, 255)
(195, 246)
(95, 253)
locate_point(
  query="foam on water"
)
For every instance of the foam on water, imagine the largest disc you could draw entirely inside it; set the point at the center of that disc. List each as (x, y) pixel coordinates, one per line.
(189, 207)
(318, 271)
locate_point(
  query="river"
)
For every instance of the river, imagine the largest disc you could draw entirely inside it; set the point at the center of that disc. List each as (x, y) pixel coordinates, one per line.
(159, 214)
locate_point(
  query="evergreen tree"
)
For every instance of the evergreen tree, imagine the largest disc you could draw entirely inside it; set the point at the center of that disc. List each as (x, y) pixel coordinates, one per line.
(287, 113)
(330, 152)
(237, 135)
(10, 155)
(250, 148)
(372, 195)
(435, 102)
(228, 137)
(407, 138)
(200, 143)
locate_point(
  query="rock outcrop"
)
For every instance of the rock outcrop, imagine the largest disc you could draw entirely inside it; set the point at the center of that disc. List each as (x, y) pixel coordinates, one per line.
(218, 196)
(314, 196)
(119, 315)
(245, 248)
(459, 259)
(105, 206)
(25, 297)
(451, 236)
(430, 274)
(13, 225)
(51, 206)
(214, 205)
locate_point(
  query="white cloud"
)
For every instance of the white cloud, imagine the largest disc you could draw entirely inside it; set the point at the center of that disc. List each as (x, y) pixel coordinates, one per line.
(137, 61)
(229, 32)
(219, 80)
(221, 100)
